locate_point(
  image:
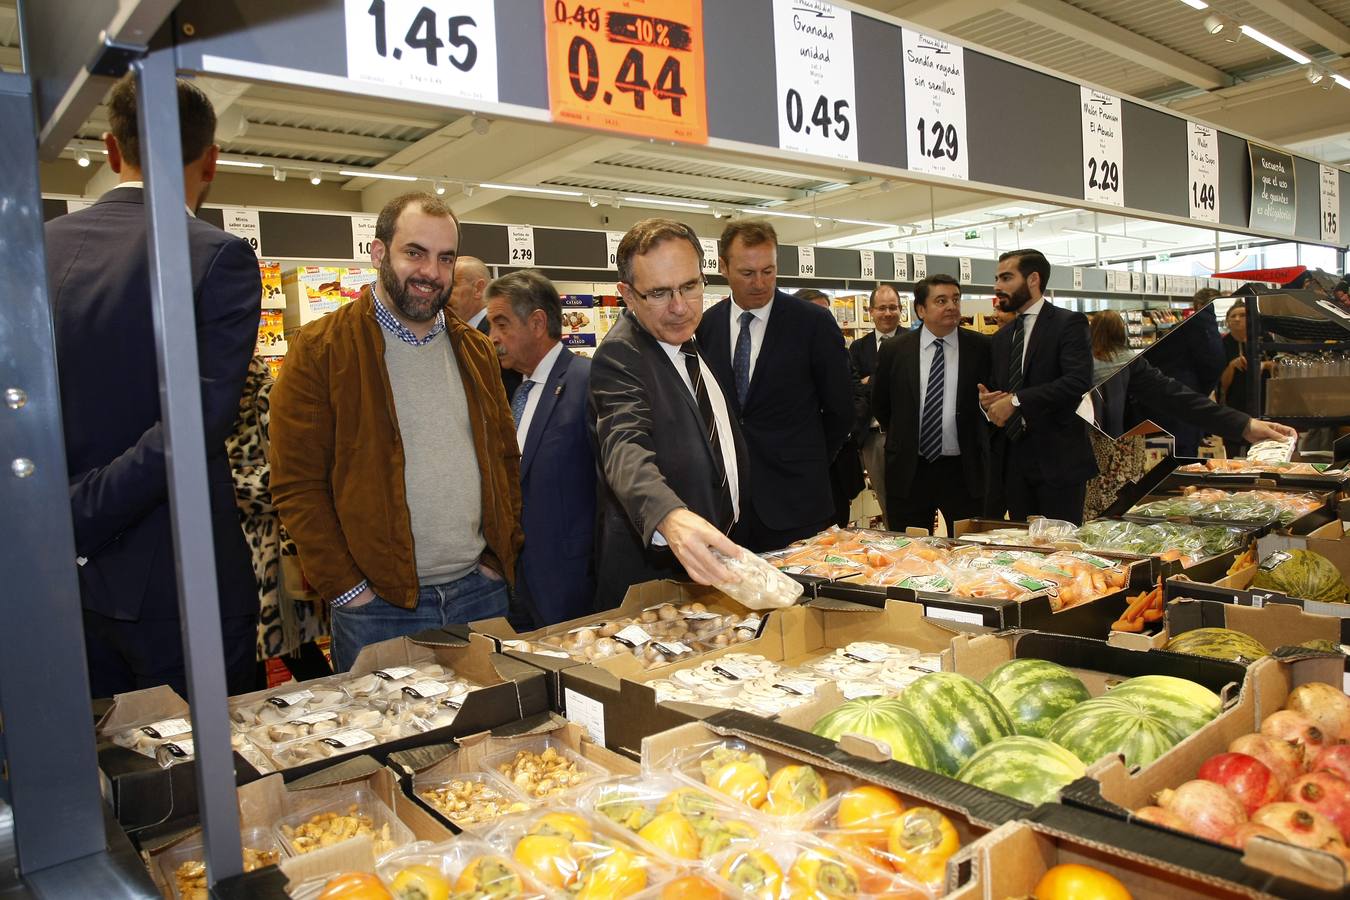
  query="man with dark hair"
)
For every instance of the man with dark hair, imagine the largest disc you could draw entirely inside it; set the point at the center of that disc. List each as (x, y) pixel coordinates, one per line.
(670, 456)
(782, 364)
(1041, 457)
(1192, 353)
(555, 579)
(394, 459)
(884, 307)
(98, 272)
(925, 394)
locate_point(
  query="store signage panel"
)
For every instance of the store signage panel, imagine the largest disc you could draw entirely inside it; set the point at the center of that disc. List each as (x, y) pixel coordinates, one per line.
(363, 236)
(446, 47)
(1202, 161)
(817, 99)
(243, 223)
(901, 266)
(966, 276)
(1331, 204)
(1103, 148)
(1274, 198)
(710, 256)
(806, 262)
(920, 267)
(1077, 279)
(520, 241)
(612, 240)
(867, 264)
(615, 65)
(935, 105)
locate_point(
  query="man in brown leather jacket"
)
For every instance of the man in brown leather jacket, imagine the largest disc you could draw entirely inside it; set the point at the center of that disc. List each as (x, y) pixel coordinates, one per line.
(394, 458)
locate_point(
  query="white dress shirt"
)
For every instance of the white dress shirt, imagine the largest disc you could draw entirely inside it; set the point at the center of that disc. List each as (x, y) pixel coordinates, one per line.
(951, 356)
(477, 317)
(725, 438)
(540, 377)
(1029, 323)
(882, 338)
(757, 326)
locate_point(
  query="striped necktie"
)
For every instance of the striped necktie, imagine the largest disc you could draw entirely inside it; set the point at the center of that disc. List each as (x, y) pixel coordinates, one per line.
(726, 514)
(930, 427)
(1015, 426)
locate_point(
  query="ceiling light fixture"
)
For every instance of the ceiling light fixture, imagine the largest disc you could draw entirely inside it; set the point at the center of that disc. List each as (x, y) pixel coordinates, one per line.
(1314, 75)
(1263, 38)
(1196, 4)
(240, 163)
(1216, 23)
(278, 173)
(773, 212)
(592, 202)
(1341, 80)
(315, 177)
(386, 176)
(439, 188)
(864, 222)
(82, 159)
(681, 203)
(528, 189)
(468, 190)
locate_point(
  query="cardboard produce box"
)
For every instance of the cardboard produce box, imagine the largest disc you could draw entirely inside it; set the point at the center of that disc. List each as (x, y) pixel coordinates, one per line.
(1116, 791)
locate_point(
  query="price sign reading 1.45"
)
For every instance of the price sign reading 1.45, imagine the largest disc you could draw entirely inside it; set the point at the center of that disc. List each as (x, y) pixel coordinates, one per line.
(1103, 148)
(444, 47)
(813, 51)
(632, 66)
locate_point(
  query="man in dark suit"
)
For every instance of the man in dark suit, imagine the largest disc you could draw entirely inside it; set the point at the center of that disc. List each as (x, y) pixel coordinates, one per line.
(98, 271)
(1042, 367)
(670, 456)
(884, 308)
(1191, 353)
(846, 472)
(782, 364)
(468, 301)
(925, 394)
(556, 577)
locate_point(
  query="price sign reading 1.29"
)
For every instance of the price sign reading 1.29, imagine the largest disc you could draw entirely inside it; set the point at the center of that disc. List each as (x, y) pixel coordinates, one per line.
(632, 66)
(445, 47)
(935, 105)
(813, 52)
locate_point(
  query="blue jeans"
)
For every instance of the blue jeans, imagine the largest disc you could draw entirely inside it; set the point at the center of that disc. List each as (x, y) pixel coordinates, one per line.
(473, 597)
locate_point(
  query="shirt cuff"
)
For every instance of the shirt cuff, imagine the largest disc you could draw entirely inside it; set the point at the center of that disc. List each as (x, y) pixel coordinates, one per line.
(659, 539)
(347, 597)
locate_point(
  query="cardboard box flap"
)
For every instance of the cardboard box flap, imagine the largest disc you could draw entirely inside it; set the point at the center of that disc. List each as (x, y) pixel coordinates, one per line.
(1311, 867)
(354, 769)
(417, 759)
(139, 707)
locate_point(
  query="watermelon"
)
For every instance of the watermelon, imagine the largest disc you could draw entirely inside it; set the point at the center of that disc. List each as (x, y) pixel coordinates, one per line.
(1107, 725)
(883, 719)
(1184, 703)
(1031, 769)
(958, 714)
(1302, 573)
(1035, 693)
(1218, 643)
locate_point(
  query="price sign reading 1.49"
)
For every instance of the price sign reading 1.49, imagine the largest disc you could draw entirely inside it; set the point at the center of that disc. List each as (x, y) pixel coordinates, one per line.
(631, 66)
(444, 47)
(813, 51)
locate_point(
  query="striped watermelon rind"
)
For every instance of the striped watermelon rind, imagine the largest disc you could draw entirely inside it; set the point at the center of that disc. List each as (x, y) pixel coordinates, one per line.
(1030, 769)
(1183, 703)
(1035, 692)
(958, 714)
(883, 719)
(1218, 643)
(1107, 725)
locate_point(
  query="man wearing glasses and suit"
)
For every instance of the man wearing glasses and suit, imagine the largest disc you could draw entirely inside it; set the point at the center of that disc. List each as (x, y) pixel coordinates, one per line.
(670, 456)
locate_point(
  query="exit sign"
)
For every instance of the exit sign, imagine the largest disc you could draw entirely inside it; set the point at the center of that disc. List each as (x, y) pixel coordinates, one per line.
(973, 234)
(1164, 257)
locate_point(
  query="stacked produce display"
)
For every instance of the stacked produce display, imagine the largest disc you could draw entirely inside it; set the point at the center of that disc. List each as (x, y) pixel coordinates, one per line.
(1216, 504)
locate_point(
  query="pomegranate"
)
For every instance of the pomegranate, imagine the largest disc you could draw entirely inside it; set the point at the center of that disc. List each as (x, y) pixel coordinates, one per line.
(1326, 706)
(1333, 759)
(1295, 729)
(1328, 794)
(1205, 809)
(1245, 777)
(1299, 825)
(1246, 832)
(1281, 758)
(1159, 816)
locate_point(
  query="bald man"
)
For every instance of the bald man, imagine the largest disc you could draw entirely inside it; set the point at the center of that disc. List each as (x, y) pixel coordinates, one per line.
(468, 303)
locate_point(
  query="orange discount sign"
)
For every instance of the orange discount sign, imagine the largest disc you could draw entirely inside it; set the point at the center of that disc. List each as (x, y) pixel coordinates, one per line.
(632, 66)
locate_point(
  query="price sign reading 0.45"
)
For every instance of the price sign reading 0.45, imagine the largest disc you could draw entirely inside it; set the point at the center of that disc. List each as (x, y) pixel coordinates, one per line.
(446, 47)
(631, 66)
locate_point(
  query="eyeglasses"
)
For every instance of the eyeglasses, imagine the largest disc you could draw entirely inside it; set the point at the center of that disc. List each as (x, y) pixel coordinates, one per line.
(690, 290)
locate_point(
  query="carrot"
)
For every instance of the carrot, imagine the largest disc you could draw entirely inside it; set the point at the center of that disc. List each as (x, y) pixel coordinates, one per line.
(1153, 614)
(1135, 607)
(1132, 625)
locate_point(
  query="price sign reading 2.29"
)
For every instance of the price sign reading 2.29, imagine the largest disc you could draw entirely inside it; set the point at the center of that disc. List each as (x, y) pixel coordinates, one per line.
(631, 66)
(445, 47)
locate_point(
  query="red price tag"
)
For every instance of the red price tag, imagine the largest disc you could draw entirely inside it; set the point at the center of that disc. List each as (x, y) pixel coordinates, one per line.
(631, 66)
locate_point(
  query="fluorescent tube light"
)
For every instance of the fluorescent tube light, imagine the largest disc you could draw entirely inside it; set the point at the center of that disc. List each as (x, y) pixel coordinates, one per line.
(664, 202)
(354, 173)
(527, 189)
(1261, 37)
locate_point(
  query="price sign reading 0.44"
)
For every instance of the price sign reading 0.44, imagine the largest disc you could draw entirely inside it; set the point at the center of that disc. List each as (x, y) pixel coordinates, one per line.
(631, 66)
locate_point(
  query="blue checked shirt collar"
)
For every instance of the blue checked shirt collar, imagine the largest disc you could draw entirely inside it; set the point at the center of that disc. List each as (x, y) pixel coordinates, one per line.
(398, 329)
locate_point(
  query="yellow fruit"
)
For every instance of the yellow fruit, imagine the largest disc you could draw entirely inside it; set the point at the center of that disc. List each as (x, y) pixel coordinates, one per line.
(722, 833)
(754, 872)
(820, 874)
(489, 877)
(420, 883)
(689, 802)
(671, 833)
(1074, 882)
(868, 807)
(742, 782)
(620, 874)
(793, 790)
(549, 857)
(690, 887)
(570, 826)
(355, 886)
(920, 842)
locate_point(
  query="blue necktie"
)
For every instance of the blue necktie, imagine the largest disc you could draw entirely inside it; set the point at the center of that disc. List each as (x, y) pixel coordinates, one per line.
(930, 429)
(740, 360)
(519, 399)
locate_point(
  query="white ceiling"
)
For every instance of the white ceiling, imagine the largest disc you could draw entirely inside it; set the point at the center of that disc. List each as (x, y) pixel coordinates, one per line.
(1157, 50)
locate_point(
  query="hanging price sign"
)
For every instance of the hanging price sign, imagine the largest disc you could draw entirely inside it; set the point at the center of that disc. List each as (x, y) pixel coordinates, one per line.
(520, 240)
(966, 275)
(867, 262)
(1103, 148)
(935, 105)
(612, 241)
(1077, 279)
(920, 266)
(1202, 161)
(243, 223)
(1331, 204)
(901, 266)
(631, 66)
(813, 49)
(709, 256)
(446, 47)
(363, 236)
(806, 262)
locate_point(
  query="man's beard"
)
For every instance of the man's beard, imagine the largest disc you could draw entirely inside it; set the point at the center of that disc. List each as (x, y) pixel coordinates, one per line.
(1016, 300)
(413, 307)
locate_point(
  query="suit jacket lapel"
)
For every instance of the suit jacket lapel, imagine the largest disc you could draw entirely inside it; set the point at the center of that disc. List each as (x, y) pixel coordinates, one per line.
(911, 364)
(773, 331)
(543, 410)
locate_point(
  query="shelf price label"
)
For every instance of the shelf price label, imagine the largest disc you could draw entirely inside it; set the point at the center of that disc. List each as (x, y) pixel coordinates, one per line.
(1103, 148)
(935, 105)
(867, 262)
(709, 256)
(630, 67)
(1202, 160)
(363, 236)
(520, 241)
(443, 47)
(243, 223)
(901, 266)
(920, 267)
(966, 276)
(813, 52)
(612, 240)
(806, 262)
(1331, 204)
(1077, 279)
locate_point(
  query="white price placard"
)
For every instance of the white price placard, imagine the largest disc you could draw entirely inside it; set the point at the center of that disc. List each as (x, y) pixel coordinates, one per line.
(243, 223)
(901, 266)
(612, 240)
(867, 263)
(935, 105)
(1331, 204)
(520, 240)
(1103, 148)
(966, 275)
(363, 236)
(1077, 279)
(806, 262)
(1202, 161)
(442, 47)
(813, 51)
(586, 712)
(710, 252)
(1137, 282)
(920, 267)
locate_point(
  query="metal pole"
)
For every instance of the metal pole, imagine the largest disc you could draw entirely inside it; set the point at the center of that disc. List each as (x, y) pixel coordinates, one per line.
(51, 770)
(1255, 400)
(185, 452)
